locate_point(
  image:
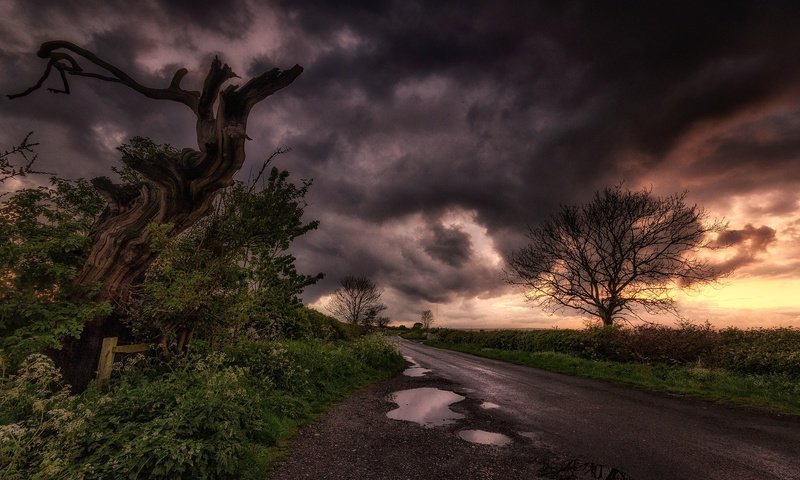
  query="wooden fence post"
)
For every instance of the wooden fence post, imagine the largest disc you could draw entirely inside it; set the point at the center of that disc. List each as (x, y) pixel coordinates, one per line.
(107, 352)
(106, 362)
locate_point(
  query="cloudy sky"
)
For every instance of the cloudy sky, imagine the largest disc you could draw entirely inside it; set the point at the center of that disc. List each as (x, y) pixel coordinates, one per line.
(436, 131)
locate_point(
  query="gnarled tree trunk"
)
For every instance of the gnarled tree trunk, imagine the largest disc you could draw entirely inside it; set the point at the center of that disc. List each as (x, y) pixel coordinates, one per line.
(178, 189)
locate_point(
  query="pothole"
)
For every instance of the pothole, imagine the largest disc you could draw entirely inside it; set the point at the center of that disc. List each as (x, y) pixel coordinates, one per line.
(426, 406)
(484, 438)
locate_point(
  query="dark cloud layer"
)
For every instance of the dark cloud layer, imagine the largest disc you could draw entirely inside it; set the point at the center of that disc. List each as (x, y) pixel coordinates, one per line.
(448, 245)
(747, 244)
(409, 111)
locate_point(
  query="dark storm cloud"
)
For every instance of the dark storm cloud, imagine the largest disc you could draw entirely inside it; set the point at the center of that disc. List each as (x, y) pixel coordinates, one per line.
(747, 243)
(231, 18)
(448, 245)
(408, 110)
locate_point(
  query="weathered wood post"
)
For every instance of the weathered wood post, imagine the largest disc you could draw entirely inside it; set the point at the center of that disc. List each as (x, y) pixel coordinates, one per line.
(107, 352)
(106, 362)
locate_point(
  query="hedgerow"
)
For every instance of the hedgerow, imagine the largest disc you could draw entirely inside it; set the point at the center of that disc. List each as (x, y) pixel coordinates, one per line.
(750, 351)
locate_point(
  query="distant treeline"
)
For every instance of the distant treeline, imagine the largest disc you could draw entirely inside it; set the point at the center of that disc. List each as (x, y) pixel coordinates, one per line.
(751, 351)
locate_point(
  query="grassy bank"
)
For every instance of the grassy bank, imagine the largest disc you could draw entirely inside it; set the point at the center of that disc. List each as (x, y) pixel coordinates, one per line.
(212, 414)
(778, 392)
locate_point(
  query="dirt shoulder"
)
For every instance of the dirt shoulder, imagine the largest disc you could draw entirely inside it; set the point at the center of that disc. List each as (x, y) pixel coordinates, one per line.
(356, 440)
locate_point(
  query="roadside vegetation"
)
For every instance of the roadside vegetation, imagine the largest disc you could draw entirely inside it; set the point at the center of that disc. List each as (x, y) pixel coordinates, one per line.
(211, 413)
(235, 362)
(756, 367)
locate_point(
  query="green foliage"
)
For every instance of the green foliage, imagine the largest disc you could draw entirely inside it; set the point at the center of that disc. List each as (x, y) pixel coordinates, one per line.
(202, 416)
(31, 413)
(262, 363)
(306, 323)
(231, 271)
(761, 350)
(754, 351)
(137, 150)
(43, 243)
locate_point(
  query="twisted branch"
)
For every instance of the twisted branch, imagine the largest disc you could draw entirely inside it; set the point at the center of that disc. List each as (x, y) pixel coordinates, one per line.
(66, 64)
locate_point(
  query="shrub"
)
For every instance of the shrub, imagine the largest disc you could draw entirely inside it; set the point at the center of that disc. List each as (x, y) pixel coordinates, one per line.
(31, 411)
(754, 351)
(200, 416)
(761, 350)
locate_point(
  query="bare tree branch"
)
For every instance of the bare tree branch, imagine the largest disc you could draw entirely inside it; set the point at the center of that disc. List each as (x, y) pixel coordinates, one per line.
(621, 250)
(24, 150)
(357, 301)
(66, 64)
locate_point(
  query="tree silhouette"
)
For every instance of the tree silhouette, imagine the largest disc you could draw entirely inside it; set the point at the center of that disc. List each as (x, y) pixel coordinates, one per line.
(620, 250)
(357, 301)
(426, 318)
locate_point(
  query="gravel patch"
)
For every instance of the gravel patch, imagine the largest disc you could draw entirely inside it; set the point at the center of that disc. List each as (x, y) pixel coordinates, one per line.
(355, 440)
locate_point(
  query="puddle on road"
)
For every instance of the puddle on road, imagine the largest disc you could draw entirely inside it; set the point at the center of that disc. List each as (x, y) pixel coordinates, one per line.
(489, 406)
(415, 370)
(484, 438)
(427, 406)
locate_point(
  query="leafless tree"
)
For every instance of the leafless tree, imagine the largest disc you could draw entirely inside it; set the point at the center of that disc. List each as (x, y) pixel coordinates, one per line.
(357, 301)
(426, 319)
(177, 189)
(382, 322)
(622, 249)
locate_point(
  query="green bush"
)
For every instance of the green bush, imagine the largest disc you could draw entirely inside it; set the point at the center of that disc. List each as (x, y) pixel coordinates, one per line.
(202, 416)
(761, 350)
(190, 423)
(305, 322)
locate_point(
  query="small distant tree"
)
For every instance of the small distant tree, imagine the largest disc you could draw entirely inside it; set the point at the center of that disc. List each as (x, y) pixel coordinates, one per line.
(622, 249)
(357, 301)
(417, 326)
(426, 319)
(382, 322)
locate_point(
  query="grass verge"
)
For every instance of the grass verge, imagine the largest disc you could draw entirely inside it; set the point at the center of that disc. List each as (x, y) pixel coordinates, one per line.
(779, 393)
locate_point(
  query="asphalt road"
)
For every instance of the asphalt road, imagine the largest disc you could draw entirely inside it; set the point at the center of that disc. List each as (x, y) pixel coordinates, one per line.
(646, 435)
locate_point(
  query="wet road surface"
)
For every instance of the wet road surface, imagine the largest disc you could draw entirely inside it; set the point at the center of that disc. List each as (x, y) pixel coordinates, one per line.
(646, 435)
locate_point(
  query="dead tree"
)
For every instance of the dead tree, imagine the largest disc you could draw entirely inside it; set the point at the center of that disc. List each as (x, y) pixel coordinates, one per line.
(178, 189)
